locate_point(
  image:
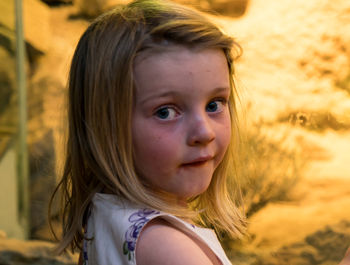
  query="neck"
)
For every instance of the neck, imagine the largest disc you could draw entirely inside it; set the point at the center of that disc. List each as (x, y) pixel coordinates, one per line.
(168, 197)
(171, 198)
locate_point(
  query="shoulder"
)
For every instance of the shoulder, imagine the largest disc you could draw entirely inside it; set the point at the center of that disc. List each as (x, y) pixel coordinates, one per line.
(162, 243)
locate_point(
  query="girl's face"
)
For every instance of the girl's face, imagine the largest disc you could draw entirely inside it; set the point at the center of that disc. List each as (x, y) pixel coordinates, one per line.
(181, 122)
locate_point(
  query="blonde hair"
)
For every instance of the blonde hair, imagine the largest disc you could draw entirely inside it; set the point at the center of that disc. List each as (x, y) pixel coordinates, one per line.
(99, 145)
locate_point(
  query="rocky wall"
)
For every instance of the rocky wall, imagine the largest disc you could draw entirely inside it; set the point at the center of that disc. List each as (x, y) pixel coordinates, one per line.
(19, 252)
(41, 143)
(324, 247)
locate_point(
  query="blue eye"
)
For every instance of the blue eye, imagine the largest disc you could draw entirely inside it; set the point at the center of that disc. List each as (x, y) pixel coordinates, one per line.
(166, 113)
(163, 113)
(214, 106)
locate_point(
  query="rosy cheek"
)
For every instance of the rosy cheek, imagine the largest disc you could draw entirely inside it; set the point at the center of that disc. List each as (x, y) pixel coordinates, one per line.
(225, 136)
(225, 125)
(152, 146)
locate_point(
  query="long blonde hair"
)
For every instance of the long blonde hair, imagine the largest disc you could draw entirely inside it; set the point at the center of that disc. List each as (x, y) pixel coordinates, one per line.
(99, 145)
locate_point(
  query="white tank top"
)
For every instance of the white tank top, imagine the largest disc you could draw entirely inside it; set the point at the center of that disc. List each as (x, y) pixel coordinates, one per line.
(115, 225)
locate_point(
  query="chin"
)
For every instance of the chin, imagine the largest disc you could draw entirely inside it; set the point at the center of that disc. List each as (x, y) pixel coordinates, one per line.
(195, 192)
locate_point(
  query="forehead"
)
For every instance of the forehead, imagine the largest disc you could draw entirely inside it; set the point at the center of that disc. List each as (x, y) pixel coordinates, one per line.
(178, 54)
(181, 70)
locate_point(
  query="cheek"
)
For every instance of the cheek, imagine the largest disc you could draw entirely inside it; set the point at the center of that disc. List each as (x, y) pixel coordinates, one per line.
(225, 131)
(228, 134)
(152, 148)
(224, 136)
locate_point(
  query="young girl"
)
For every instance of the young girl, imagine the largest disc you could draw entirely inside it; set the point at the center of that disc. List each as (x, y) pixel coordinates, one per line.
(153, 139)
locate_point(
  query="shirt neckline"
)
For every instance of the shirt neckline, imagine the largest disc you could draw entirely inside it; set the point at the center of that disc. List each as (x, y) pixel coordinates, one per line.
(118, 199)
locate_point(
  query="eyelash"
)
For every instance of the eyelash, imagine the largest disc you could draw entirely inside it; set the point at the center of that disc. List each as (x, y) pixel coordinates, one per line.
(221, 100)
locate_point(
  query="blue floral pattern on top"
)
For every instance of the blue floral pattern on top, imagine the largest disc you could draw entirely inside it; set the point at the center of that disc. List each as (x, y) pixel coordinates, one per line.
(139, 219)
(85, 255)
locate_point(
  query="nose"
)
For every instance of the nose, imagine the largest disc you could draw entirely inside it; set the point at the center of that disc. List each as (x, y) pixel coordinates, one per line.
(200, 130)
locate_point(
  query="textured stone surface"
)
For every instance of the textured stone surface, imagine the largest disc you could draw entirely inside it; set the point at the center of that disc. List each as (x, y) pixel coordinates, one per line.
(35, 21)
(233, 8)
(46, 93)
(6, 91)
(325, 247)
(18, 252)
(42, 179)
(296, 56)
(2, 235)
(296, 61)
(93, 8)
(8, 95)
(36, 17)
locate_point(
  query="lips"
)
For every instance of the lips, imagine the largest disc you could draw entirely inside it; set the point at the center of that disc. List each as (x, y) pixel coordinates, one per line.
(199, 161)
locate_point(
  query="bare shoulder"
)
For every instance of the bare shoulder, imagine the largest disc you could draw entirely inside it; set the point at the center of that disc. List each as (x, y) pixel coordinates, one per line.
(161, 243)
(346, 260)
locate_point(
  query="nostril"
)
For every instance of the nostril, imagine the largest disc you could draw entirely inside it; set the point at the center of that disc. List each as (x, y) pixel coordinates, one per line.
(202, 135)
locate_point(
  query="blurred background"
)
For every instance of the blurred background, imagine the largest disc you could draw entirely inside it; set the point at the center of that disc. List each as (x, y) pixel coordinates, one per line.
(294, 78)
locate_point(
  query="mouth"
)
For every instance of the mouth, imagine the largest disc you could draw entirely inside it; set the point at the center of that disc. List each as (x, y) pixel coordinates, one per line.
(198, 162)
(195, 164)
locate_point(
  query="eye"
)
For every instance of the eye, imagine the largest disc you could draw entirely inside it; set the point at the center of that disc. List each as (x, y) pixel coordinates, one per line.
(215, 106)
(166, 113)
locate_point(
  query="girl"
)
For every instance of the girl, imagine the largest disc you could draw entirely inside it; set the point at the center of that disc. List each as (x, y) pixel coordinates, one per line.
(153, 139)
(151, 116)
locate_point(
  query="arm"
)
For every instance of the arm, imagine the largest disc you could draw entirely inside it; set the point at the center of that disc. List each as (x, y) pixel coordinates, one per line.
(161, 243)
(346, 260)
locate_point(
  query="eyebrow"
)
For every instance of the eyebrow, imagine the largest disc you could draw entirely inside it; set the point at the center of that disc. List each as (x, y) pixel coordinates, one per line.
(160, 95)
(176, 93)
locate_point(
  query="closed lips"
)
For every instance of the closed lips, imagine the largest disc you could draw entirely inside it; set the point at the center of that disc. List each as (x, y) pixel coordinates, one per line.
(199, 161)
